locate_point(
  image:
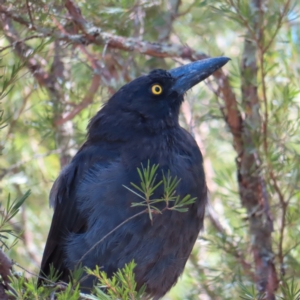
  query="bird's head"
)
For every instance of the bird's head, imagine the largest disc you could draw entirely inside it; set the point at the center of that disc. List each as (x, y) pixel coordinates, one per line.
(154, 100)
(161, 92)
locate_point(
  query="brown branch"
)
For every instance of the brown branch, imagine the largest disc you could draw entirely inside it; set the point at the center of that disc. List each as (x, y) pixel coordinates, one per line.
(63, 133)
(87, 100)
(170, 14)
(262, 51)
(33, 62)
(75, 13)
(5, 267)
(284, 206)
(62, 112)
(14, 15)
(95, 35)
(252, 187)
(233, 117)
(17, 165)
(265, 101)
(231, 111)
(49, 80)
(3, 295)
(29, 13)
(278, 25)
(35, 36)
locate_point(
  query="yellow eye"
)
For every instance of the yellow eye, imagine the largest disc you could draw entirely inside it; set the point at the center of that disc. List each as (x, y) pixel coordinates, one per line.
(156, 89)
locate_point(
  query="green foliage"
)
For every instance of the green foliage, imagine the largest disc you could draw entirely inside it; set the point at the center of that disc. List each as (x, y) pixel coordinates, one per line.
(290, 290)
(22, 288)
(53, 275)
(149, 184)
(121, 286)
(180, 204)
(8, 76)
(6, 215)
(250, 293)
(34, 148)
(70, 293)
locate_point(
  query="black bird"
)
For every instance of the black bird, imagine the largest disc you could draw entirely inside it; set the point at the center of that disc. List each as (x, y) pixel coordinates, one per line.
(138, 124)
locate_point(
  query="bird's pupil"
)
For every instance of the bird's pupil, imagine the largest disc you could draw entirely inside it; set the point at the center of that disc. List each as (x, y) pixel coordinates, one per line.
(157, 89)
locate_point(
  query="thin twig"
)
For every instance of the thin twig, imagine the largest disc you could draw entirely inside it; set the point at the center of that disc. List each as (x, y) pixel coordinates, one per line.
(26, 161)
(284, 206)
(109, 233)
(278, 25)
(35, 36)
(87, 100)
(29, 13)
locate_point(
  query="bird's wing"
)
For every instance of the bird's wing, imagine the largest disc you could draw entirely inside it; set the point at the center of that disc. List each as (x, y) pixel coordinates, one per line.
(66, 218)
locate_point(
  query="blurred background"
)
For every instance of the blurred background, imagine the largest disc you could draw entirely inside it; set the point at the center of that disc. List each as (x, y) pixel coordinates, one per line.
(61, 60)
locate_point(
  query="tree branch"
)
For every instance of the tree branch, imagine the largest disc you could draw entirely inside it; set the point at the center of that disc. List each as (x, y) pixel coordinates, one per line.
(5, 267)
(95, 35)
(87, 100)
(252, 186)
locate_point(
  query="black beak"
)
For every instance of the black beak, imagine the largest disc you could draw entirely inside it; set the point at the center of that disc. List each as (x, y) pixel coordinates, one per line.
(189, 75)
